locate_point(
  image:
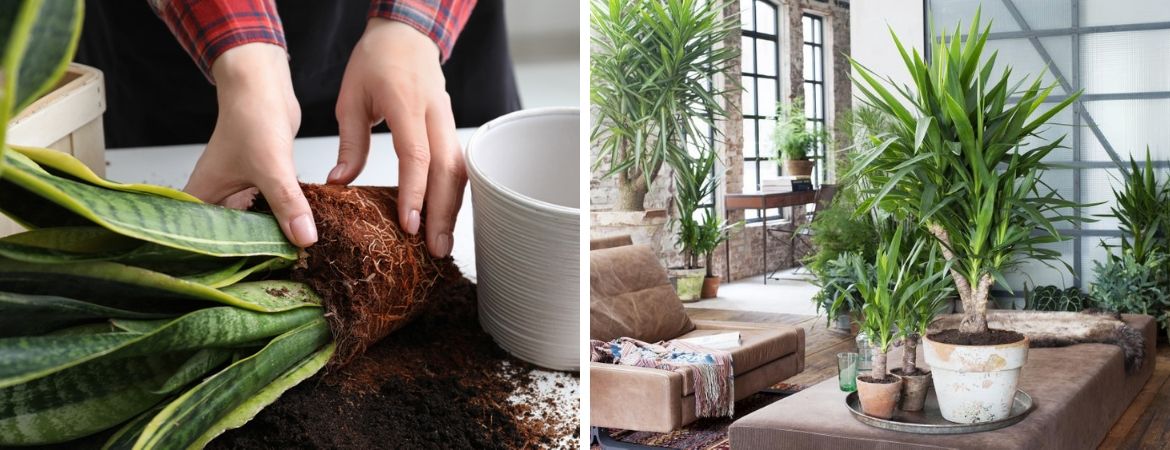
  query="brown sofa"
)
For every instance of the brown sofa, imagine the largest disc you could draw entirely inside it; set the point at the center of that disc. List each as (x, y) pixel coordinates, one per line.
(630, 296)
(1079, 391)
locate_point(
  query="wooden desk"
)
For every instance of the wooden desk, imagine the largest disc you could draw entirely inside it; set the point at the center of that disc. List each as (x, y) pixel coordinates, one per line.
(762, 201)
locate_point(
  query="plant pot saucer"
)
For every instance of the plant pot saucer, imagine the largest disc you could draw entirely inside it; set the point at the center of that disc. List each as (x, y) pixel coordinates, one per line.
(931, 421)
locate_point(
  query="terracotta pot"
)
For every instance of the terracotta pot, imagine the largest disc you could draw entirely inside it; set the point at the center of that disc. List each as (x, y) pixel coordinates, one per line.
(975, 383)
(914, 389)
(879, 399)
(798, 167)
(710, 287)
(688, 283)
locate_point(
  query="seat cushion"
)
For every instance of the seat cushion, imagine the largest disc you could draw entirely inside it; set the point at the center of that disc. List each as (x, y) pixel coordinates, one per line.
(630, 296)
(760, 346)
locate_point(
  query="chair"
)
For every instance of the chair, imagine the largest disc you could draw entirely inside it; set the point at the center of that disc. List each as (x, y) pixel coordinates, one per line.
(630, 296)
(801, 233)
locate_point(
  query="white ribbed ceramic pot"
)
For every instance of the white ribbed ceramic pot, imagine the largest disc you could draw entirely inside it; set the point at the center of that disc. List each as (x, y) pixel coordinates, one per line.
(524, 169)
(975, 383)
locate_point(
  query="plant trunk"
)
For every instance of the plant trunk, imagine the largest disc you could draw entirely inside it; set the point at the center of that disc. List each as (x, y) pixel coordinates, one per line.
(631, 195)
(709, 258)
(878, 372)
(974, 298)
(910, 355)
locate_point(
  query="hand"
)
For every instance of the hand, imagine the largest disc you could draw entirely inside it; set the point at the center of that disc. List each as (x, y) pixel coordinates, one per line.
(394, 74)
(251, 147)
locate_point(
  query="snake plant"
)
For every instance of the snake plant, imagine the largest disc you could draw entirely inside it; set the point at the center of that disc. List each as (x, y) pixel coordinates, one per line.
(132, 307)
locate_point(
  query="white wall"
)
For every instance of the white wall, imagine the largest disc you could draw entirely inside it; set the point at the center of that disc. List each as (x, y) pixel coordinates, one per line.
(871, 43)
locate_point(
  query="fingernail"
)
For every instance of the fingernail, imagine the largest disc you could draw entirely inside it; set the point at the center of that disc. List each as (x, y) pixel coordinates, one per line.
(335, 174)
(412, 220)
(443, 245)
(304, 231)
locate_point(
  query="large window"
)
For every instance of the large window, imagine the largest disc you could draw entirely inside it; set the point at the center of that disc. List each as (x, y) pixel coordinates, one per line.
(1118, 55)
(761, 83)
(814, 86)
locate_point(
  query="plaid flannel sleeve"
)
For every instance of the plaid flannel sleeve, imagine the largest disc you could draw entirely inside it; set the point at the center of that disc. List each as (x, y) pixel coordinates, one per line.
(442, 20)
(207, 28)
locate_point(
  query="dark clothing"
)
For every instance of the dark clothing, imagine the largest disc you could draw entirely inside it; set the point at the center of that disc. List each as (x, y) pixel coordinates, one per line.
(156, 94)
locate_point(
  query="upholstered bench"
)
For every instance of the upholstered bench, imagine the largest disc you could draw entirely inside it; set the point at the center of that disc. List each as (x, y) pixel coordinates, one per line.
(1080, 391)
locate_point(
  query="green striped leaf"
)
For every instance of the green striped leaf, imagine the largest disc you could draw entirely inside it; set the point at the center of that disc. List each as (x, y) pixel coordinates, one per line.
(200, 364)
(125, 437)
(225, 278)
(66, 244)
(82, 400)
(121, 286)
(269, 394)
(274, 295)
(194, 227)
(26, 315)
(189, 417)
(27, 358)
(64, 164)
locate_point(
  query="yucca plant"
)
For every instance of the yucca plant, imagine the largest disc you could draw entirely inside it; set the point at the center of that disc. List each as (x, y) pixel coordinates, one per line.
(955, 161)
(651, 86)
(140, 308)
(1141, 208)
(898, 283)
(923, 302)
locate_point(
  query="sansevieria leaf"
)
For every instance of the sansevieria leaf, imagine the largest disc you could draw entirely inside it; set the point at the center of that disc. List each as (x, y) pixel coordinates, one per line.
(28, 315)
(37, 39)
(82, 400)
(195, 227)
(27, 358)
(186, 419)
(67, 165)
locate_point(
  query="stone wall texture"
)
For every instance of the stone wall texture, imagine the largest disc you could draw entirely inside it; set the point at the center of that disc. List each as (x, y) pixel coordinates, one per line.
(746, 245)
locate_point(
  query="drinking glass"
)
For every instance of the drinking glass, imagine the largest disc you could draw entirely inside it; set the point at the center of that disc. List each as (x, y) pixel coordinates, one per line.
(847, 371)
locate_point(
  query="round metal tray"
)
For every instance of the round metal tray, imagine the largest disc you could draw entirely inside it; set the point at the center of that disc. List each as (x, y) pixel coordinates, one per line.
(931, 421)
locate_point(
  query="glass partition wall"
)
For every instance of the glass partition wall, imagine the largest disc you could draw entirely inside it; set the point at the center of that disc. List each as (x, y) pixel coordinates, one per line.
(1118, 54)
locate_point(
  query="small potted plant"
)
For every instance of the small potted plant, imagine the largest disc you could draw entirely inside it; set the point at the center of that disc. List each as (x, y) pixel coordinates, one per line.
(892, 283)
(957, 162)
(712, 232)
(793, 138)
(693, 185)
(930, 292)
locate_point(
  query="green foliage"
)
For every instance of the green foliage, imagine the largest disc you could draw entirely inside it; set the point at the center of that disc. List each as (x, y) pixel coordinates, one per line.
(955, 161)
(694, 185)
(1143, 210)
(1127, 285)
(130, 304)
(791, 134)
(836, 231)
(837, 280)
(1053, 298)
(649, 82)
(37, 39)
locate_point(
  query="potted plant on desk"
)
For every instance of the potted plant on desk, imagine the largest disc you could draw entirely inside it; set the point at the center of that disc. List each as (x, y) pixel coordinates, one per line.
(794, 140)
(955, 162)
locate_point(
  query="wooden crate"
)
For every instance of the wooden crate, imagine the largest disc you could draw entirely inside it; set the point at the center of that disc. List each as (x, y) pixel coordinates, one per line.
(67, 119)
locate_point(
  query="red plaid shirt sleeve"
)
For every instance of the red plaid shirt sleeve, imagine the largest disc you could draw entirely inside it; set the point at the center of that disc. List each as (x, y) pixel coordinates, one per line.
(207, 28)
(442, 20)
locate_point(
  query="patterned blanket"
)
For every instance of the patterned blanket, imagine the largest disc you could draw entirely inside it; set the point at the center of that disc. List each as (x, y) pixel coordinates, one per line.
(710, 369)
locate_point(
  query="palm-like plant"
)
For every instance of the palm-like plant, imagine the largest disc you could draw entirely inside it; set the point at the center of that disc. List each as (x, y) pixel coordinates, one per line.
(650, 85)
(693, 184)
(955, 162)
(920, 305)
(1141, 208)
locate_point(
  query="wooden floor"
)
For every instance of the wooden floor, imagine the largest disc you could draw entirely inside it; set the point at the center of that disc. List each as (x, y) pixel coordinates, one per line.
(1145, 425)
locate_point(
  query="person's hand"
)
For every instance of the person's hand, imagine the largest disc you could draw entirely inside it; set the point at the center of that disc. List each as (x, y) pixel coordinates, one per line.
(251, 147)
(394, 74)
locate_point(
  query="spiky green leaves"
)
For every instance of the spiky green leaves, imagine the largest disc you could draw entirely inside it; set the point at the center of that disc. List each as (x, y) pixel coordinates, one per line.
(955, 158)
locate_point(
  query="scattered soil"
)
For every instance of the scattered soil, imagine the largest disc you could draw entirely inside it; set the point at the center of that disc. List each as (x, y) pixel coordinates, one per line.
(872, 380)
(373, 276)
(440, 382)
(990, 337)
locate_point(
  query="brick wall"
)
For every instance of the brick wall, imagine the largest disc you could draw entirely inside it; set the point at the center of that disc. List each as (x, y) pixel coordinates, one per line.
(745, 245)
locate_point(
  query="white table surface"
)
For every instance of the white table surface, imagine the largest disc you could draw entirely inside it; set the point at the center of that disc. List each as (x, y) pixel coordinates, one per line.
(315, 157)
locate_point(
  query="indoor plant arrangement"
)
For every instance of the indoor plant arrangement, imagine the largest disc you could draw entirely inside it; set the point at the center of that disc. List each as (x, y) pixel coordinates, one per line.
(698, 229)
(137, 307)
(897, 279)
(954, 163)
(793, 139)
(649, 86)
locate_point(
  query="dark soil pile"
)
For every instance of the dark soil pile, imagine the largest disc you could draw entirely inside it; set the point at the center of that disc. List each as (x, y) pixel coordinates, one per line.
(990, 337)
(437, 383)
(373, 276)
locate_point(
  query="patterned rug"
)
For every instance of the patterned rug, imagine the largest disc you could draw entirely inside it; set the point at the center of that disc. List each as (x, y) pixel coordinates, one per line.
(706, 434)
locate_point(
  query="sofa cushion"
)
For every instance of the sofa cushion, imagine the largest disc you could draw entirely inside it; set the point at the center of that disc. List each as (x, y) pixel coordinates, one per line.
(760, 346)
(630, 296)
